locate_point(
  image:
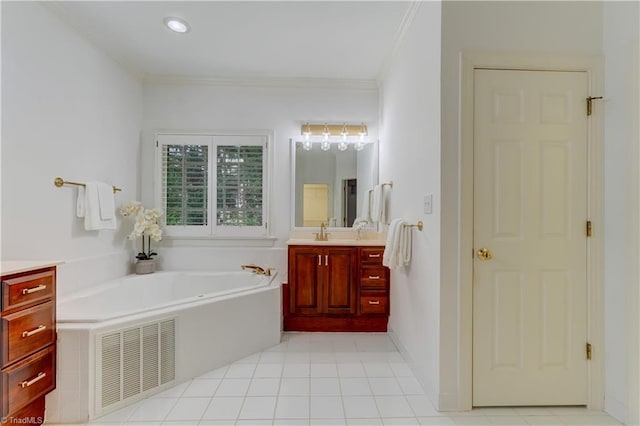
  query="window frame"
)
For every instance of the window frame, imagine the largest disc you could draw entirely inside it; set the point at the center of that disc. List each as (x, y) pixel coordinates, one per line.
(213, 139)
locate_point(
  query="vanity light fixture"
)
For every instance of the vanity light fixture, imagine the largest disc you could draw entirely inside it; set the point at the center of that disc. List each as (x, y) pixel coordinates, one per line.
(177, 25)
(343, 135)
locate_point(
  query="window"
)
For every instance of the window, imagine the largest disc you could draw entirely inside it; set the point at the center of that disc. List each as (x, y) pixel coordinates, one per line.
(213, 185)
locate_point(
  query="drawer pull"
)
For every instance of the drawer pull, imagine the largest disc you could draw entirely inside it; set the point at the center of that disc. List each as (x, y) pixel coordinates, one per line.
(319, 260)
(34, 289)
(374, 277)
(40, 328)
(41, 375)
(374, 255)
(374, 302)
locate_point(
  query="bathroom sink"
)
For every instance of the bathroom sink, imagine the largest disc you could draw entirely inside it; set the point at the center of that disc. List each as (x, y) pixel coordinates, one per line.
(335, 242)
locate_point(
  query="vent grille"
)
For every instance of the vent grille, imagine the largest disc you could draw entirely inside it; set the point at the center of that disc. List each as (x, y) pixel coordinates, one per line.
(136, 360)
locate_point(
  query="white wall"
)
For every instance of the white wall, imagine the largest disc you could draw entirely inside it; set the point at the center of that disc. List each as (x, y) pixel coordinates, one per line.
(410, 157)
(621, 188)
(67, 110)
(516, 26)
(197, 107)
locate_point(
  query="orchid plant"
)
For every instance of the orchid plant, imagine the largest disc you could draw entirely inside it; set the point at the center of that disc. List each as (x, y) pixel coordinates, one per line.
(146, 227)
(359, 224)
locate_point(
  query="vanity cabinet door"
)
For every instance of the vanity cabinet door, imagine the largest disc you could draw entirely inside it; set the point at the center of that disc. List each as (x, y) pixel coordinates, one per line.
(305, 267)
(340, 292)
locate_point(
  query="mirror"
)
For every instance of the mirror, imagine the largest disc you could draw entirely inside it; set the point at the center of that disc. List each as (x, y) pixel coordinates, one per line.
(330, 186)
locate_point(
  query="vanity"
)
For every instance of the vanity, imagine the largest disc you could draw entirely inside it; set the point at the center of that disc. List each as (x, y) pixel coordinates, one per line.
(28, 335)
(336, 285)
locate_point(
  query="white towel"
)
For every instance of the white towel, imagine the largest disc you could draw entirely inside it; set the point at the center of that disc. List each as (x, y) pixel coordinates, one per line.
(99, 207)
(80, 210)
(376, 203)
(397, 251)
(365, 211)
(384, 194)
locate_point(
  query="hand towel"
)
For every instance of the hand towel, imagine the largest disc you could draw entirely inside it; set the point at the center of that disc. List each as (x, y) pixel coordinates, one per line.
(92, 207)
(107, 201)
(80, 210)
(384, 195)
(390, 256)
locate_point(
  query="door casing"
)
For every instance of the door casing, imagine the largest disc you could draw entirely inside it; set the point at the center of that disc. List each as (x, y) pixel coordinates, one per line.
(593, 66)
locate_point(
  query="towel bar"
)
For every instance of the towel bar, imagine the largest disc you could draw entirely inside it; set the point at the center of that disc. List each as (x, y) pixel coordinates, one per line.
(59, 182)
(418, 225)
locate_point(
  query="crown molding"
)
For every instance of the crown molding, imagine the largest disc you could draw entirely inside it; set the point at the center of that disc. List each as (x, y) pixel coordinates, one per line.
(276, 82)
(406, 22)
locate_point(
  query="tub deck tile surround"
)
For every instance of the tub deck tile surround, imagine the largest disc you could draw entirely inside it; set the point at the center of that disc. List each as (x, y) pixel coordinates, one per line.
(324, 379)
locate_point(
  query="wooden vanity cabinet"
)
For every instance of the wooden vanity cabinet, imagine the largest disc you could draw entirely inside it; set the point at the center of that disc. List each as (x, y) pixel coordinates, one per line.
(336, 288)
(324, 280)
(28, 348)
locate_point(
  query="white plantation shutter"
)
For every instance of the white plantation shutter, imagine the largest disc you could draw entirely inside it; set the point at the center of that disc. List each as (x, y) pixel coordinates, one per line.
(213, 185)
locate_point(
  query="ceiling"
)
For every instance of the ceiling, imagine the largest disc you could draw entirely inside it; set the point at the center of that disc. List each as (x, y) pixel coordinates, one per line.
(244, 39)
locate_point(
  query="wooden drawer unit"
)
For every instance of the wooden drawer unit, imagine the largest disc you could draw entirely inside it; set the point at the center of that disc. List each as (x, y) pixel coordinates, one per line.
(27, 290)
(28, 342)
(371, 255)
(373, 278)
(28, 380)
(374, 305)
(27, 331)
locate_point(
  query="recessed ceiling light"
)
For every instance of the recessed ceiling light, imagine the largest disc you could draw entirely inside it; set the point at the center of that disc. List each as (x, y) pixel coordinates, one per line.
(177, 25)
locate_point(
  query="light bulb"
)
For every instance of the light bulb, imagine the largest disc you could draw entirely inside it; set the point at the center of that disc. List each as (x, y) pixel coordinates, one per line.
(342, 146)
(306, 145)
(326, 146)
(177, 25)
(359, 146)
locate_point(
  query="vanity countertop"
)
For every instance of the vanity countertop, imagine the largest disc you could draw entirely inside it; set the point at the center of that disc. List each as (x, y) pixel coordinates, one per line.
(338, 239)
(15, 266)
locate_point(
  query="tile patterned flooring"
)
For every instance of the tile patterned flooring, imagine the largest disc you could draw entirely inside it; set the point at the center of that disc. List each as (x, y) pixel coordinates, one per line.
(323, 379)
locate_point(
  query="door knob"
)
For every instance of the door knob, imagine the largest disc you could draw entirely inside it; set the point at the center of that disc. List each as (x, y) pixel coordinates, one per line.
(485, 254)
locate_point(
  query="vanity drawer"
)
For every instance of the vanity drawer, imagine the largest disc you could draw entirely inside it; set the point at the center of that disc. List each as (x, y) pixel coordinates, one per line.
(28, 380)
(374, 304)
(27, 289)
(27, 331)
(371, 255)
(373, 277)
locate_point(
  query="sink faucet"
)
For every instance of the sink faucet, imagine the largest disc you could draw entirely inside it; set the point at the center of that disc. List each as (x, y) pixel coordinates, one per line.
(258, 270)
(322, 235)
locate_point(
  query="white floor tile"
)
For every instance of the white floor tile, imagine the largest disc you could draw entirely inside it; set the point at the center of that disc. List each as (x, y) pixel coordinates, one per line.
(251, 359)
(573, 411)
(385, 386)
(290, 422)
(216, 422)
(378, 369)
(201, 387)
(491, 411)
(118, 416)
(355, 386)
(326, 407)
(173, 392)
(352, 369)
(292, 407)
(233, 387)
(360, 407)
(240, 371)
(401, 421)
(322, 357)
(188, 409)
(258, 407)
(364, 422)
(410, 386)
(543, 420)
(325, 386)
(297, 357)
(401, 369)
(471, 420)
(223, 408)
(272, 357)
(324, 370)
(153, 409)
(436, 421)
(422, 407)
(295, 386)
(591, 419)
(254, 422)
(264, 387)
(328, 422)
(507, 420)
(182, 423)
(296, 370)
(393, 406)
(268, 370)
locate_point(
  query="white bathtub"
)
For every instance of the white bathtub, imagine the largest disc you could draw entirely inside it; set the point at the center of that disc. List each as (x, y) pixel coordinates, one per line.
(135, 294)
(212, 319)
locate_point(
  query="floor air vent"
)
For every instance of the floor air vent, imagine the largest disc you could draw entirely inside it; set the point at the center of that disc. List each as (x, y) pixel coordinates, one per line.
(136, 360)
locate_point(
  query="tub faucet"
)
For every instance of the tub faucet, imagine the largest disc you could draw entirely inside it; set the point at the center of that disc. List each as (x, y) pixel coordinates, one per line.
(322, 235)
(258, 270)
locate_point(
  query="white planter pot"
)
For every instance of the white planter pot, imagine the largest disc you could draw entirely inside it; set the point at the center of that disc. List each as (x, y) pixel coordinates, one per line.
(147, 266)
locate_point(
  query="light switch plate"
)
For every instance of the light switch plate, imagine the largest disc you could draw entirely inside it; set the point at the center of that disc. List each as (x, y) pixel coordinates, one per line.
(428, 204)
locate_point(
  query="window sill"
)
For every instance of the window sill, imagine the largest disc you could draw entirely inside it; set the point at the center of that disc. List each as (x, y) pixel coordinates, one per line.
(226, 241)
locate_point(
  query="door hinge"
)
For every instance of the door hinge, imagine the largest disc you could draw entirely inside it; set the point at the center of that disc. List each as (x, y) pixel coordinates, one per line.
(588, 351)
(589, 228)
(590, 104)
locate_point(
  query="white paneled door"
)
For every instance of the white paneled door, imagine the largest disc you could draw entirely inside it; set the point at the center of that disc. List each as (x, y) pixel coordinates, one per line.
(530, 243)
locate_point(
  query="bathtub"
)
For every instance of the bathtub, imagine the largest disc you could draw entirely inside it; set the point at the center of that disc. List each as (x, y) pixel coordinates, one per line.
(127, 339)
